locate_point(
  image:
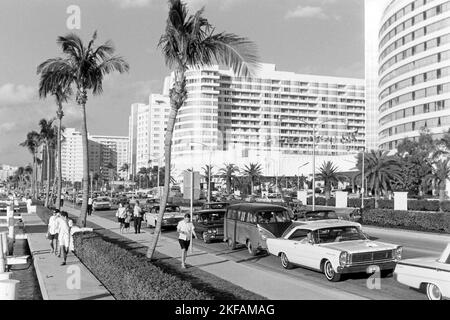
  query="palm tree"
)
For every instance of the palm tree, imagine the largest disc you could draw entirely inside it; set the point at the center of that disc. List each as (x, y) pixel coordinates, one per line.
(329, 173)
(61, 92)
(32, 143)
(253, 172)
(440, 174)
(191, 41)
(228, 173)
(125, 167)
(142, 173)
(83, 67)
(47, 137)
(381, 170)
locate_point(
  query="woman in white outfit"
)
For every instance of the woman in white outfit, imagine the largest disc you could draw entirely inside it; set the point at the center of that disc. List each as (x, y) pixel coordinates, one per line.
(64, 236)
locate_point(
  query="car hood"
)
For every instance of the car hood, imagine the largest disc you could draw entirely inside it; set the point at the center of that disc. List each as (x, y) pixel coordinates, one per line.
(358, 246)
(101, 202)
(421, 262)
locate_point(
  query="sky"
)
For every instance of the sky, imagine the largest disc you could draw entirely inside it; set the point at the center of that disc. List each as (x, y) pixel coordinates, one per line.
(324, 37)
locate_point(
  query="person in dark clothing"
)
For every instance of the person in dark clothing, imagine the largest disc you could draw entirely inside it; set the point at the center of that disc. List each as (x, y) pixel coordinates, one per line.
(138, 212)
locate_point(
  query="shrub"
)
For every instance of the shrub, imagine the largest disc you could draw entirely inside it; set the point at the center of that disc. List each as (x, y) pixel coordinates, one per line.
(445, 206)
(356, 203)
(320, 201)
(423, 205)
(130, 277)
(412, 220)
(385, 204)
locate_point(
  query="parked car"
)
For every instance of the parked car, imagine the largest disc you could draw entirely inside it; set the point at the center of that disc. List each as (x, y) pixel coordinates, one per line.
(316, 215)
(333, 247)
(215, 205)
(101, 203)
(79, 199)
(431, 274)
(252, 224)
(172, 215)
(209, 224)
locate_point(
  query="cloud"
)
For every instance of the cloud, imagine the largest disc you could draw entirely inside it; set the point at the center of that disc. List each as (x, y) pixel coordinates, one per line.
(133, 3)
(16, 94)
(306, 12)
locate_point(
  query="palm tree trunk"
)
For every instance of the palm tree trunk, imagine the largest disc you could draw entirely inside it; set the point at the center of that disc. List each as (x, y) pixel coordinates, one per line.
(442, 191)
(59, 172)
(47, 193)
(177, 98)
(84, 141)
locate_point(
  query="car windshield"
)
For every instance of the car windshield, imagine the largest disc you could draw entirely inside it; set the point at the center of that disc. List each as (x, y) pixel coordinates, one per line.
(216, 205)
(273, 216)
(320, 215)
(338, 234)
(169, 209)
(102, 199)
(210, 217)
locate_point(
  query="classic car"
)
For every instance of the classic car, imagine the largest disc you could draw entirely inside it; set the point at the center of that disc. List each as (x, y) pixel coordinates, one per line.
(172, 215)
(215, 205)
(316, 215)
(334, 247)
(101, 203)
(209, 224)
(430, 274)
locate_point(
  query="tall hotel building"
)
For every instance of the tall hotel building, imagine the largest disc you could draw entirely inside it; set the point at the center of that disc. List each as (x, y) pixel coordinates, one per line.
(414, 70)
(268, 119)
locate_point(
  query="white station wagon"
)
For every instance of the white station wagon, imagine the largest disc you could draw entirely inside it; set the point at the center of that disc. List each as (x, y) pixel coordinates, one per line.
(430, 273)
(333, 247)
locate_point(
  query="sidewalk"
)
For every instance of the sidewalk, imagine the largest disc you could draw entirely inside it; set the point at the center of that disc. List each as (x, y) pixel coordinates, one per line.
(270, 284)
(55, 280)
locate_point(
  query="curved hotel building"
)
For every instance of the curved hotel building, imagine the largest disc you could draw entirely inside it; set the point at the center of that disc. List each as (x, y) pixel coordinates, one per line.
(268, 119)
(414, 70)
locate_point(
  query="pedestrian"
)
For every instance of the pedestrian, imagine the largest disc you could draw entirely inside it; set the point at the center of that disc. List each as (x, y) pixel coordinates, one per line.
(137, 217)
(121, 215)
(128, 215)
(61, 200)
(186, 231)
(52, 232)
(64, 236)
(89, 207)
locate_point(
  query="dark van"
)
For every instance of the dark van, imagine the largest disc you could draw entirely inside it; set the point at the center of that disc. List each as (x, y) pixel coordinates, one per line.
(209, 224)
(252, 223)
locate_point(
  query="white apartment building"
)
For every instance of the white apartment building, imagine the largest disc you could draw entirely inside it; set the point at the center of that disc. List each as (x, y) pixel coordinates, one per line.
(414, 70)
(373, 13)
(6, 171)
(269, 119)
(102, 150)
(137, 110)
(159, 109)
(114, 150)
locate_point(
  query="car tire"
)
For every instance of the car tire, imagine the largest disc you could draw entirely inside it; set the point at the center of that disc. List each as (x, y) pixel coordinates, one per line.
(329, 272)
(231, 244)
(251, 249)
(285, 261)
(205, 238)
(433, 292)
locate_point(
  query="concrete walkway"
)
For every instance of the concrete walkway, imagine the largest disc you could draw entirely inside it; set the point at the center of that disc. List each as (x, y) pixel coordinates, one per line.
(269, 284)
(71, 282)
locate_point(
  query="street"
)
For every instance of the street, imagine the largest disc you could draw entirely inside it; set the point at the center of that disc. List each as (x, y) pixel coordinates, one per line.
(356, 283)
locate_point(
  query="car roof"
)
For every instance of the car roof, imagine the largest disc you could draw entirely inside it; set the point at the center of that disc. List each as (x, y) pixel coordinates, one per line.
(254, 207)
(210, 211)
(322, 224)
(222, 202)
(167, 205)
(316, 211)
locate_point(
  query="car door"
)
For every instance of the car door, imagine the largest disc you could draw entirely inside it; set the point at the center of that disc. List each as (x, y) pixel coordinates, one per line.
(302, 249)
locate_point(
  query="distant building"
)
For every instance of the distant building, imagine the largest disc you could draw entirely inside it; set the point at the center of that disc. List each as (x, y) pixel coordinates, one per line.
(6, 171)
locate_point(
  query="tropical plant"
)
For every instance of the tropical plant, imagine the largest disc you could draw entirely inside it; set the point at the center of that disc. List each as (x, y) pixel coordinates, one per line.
(330, 175)
(208, 172)
(381, 170)
(253, 172)
(228, 173)
(47, 136)
(61, 92)
(190, 41)
(83, 67)
(143, 172)
(440, 174)
(125, 168)
(32, 143)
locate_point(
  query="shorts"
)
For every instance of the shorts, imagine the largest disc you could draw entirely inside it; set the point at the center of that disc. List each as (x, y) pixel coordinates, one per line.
(121, 220)
(52, 236)
(126, 225)
(184, 244)
(64, 241)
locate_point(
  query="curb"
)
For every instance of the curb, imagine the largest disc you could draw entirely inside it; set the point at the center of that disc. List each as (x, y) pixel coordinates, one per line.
(42, 287)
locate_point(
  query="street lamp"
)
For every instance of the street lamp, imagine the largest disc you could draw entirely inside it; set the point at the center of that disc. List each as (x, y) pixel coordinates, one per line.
(298, 178)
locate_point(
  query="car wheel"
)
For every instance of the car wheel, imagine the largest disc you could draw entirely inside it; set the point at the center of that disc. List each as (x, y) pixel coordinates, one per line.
(285, 261)
(329, 272)
(433, 292)
(205, 237)
(251, 249)
(231, 244)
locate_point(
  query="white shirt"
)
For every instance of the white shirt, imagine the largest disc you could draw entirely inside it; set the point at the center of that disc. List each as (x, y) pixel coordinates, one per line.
(90, 201)
(52, 225)
(137, 211)
(185, 227)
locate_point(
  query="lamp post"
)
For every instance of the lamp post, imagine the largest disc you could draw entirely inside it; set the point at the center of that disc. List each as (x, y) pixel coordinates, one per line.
(298, 178)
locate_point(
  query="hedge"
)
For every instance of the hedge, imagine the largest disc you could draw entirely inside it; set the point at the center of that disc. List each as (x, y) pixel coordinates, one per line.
(130, 277)
(356, 203)
(411, 220)
(423, 205)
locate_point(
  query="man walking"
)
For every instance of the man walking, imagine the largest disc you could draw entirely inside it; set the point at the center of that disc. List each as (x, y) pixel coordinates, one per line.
(185, 229)
(52, 232)
(89, 207)
(137, 217)
(64, 235)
